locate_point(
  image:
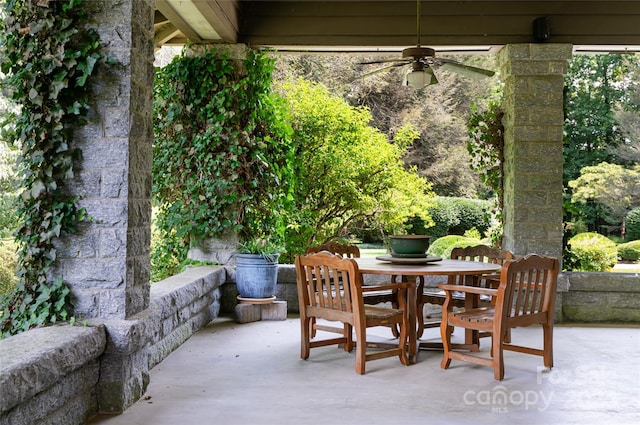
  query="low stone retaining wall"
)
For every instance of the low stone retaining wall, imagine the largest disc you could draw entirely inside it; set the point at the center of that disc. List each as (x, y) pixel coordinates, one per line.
(582, 297)
(601, 297)
(67, 374)
(49, 375)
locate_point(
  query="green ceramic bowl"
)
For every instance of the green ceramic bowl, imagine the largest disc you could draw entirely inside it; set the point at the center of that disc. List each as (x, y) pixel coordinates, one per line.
(409, 244)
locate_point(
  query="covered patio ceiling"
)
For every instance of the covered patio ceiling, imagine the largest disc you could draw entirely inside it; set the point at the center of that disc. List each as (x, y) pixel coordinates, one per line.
(471, 26)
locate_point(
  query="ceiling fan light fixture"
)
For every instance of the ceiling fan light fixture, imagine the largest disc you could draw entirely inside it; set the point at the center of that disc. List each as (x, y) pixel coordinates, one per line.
(419, 78)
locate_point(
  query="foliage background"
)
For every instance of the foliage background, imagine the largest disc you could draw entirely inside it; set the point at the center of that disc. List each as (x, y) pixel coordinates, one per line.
(222, 151)
(348, 174)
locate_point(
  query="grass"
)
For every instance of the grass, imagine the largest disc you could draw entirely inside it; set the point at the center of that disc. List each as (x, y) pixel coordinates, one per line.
(372, 250)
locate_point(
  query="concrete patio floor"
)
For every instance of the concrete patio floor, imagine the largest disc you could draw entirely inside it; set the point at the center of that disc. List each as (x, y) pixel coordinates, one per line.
(231, 373)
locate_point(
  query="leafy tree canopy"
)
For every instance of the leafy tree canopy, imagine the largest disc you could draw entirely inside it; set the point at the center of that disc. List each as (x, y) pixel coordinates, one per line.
(615, 187)
(594, 86)
(346, 170)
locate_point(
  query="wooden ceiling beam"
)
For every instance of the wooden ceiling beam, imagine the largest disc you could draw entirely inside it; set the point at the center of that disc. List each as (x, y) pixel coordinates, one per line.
(223, 17)
(177, 20)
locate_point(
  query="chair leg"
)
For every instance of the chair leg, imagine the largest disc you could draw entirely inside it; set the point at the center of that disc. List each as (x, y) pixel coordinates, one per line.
(402, 341)
(547, 331)
(420, 308)
(445, 334)
(394, 329)
(361, 348)
(305, 328)
(312, 329)
(348, 333)
(497, 355)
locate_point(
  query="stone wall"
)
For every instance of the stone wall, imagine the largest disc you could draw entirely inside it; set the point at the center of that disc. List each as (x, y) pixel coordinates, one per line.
(49, 375)
(179, 306)
(67, 374)
(601, 297)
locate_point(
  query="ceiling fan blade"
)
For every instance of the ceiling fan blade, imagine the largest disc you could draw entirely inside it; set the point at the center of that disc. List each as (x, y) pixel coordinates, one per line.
(376, 71)
(466, 70)
(384, 61)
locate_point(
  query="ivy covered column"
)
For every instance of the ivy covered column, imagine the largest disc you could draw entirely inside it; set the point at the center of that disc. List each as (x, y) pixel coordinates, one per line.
(107, 263)
(534, 80)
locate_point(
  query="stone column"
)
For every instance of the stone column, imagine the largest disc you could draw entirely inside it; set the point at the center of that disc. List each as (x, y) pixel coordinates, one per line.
(534, 79)
(106, 263)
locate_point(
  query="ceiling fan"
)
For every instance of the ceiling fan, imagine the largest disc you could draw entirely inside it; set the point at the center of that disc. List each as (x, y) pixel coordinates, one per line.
(422, 61)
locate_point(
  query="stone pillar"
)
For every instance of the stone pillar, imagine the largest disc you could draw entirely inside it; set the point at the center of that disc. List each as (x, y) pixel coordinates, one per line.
(534, 79)
(106, 263)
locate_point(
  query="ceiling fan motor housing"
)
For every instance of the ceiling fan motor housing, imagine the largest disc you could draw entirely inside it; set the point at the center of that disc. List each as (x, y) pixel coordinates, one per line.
(418, 52)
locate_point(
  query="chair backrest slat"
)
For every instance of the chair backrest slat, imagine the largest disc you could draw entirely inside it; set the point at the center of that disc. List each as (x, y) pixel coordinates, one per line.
(480, 253)
(329, 280)
(528, 286)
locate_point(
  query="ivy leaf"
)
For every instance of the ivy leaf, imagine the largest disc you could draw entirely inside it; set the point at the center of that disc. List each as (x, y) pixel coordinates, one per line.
(87, 69)
(35, 97)
(37, 189)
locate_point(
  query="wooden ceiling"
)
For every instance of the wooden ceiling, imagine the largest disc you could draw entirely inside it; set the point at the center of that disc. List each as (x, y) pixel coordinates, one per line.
(359, 25)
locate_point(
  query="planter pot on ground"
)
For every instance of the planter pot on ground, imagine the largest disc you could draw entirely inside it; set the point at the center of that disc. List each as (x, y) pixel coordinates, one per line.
(256, 275)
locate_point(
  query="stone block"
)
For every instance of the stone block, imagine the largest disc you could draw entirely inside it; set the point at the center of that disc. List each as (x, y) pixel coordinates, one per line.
(246, 313)
(54, 353)
(274, 311)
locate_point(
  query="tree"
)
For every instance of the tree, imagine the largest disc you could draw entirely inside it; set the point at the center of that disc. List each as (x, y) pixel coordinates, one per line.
(627, 114)
(438, 112)
(346, 170)
(614, 187)
(595, 88)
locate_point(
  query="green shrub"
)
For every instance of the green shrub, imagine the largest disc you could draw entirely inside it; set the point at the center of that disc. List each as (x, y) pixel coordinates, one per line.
(455, 216)
(632, 224)
(592, 252)
(8, 259)
(442, 247)
(629, 251)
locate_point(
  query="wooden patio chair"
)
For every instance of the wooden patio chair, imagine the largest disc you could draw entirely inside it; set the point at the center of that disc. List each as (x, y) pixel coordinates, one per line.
(372, 297)
(525, 296)
(481, 253)
(330, 288)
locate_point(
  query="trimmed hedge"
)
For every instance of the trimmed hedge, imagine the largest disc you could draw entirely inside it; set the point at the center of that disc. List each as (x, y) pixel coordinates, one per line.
(629, 251)
(632, 224)
(592, 252)
(455, 216)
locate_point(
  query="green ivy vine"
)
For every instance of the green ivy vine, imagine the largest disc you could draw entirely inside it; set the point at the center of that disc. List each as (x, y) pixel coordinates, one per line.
(222, 159)
(48, 53)
(486, 147)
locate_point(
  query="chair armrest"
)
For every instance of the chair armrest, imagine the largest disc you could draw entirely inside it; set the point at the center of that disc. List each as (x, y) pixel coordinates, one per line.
(469, 289)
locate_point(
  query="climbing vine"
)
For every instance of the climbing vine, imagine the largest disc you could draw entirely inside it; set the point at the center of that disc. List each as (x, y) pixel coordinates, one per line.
(222, 158)
(48, 53)
(486, 147)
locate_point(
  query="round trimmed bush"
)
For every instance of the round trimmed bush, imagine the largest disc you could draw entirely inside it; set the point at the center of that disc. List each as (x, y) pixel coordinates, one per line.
(632, 224)
(592, 252)
(629, 251)
(442, 247)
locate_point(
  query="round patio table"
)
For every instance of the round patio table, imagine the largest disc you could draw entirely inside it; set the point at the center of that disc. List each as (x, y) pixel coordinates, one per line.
(413, 272)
